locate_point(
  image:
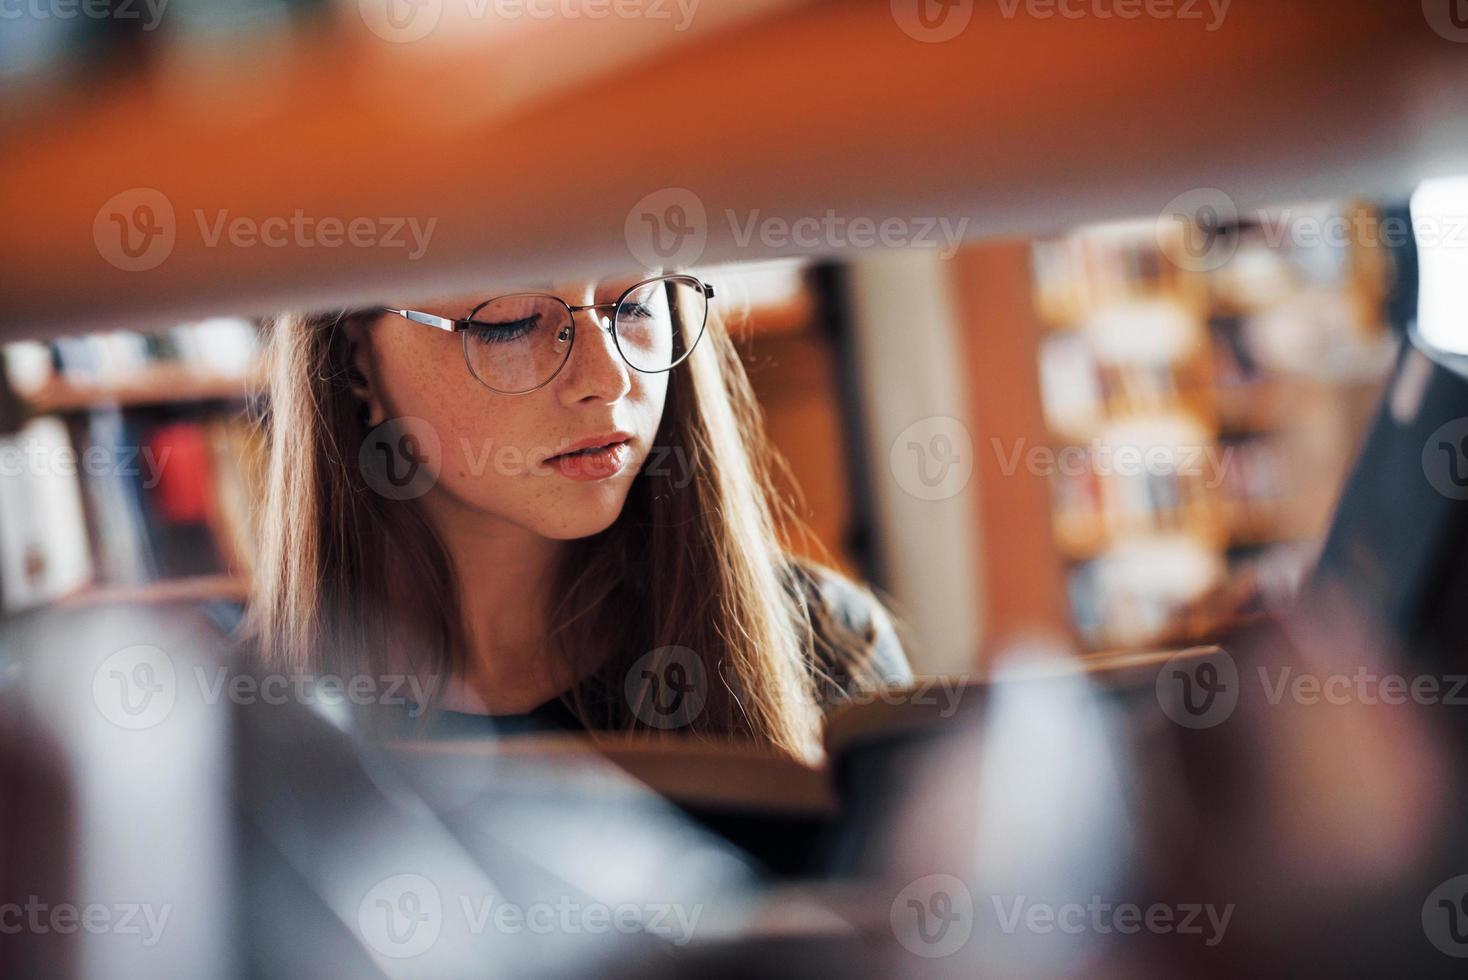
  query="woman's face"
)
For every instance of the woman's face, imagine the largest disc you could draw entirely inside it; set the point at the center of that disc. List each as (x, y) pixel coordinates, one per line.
(495, 454)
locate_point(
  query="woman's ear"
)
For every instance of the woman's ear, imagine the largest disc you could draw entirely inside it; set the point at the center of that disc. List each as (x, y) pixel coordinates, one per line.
(362, 374)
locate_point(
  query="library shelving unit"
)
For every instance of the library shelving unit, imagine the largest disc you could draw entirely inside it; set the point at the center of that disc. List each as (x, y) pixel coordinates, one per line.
(1201, 416)
(130, 463)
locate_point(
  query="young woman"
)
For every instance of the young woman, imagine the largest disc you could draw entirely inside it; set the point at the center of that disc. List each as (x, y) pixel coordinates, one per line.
(554, 505)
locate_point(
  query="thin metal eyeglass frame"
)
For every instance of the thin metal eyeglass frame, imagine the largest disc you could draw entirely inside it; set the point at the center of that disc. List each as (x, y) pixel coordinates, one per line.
(450, 325)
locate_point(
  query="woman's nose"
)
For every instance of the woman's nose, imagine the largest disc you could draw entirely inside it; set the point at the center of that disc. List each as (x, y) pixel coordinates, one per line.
(596, 369)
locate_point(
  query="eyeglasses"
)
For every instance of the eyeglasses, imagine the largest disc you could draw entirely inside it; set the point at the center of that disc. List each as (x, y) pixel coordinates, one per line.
(518, 342)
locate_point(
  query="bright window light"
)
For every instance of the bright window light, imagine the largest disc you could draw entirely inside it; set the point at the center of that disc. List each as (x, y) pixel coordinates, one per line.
(1440, 222)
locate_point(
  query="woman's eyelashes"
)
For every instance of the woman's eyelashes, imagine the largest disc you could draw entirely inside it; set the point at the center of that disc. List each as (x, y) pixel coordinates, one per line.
(502, 333)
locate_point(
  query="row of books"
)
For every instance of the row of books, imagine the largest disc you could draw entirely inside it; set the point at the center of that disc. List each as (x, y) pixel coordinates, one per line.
(124, 498)
(1080, 273)
(1114, 503)
(221, 347)
(1078, 388)
(1255, 472)
(1158, 587)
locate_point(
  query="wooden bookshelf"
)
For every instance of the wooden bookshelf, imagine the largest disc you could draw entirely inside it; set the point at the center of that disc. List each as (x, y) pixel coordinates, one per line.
(159, 384)
(1281, 432)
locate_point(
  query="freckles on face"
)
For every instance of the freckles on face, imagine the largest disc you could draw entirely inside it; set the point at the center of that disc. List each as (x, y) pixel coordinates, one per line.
(492, 446)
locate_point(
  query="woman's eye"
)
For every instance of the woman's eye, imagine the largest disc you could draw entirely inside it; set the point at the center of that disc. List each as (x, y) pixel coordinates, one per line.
(500, 333)
(635, 310)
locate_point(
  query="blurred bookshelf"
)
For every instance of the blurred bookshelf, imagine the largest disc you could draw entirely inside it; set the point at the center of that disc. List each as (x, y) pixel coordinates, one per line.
(1201, 415)
(128, 466)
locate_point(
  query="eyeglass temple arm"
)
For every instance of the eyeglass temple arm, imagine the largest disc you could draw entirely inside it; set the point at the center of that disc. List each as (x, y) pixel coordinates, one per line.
(427, 319)
(444, 323)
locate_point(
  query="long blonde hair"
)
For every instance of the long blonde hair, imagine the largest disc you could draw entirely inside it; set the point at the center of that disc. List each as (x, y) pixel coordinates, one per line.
(696, 560)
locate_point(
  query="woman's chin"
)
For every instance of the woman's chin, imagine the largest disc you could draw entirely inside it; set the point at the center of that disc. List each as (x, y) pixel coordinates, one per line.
(593, 519)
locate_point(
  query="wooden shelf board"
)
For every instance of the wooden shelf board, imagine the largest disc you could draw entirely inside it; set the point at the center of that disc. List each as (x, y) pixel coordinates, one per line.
(159, 385)
(193, 589)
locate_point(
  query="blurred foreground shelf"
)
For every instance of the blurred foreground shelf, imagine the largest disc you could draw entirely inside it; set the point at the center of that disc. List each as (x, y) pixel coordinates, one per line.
(842, 109)
(203, 588)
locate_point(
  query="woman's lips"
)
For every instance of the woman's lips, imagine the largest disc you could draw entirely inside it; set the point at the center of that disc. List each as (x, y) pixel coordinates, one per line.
(595, 464)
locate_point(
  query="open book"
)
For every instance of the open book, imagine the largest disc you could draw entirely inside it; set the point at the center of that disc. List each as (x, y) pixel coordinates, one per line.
(730, 777)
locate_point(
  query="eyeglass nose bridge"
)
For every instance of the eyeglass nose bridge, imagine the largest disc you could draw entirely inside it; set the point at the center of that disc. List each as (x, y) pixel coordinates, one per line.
(611, 320)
